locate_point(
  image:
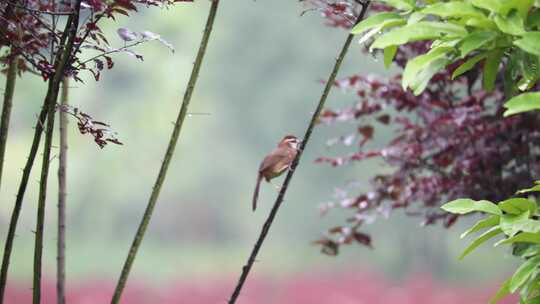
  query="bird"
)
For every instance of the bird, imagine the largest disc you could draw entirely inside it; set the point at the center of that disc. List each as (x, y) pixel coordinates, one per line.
(277, 162)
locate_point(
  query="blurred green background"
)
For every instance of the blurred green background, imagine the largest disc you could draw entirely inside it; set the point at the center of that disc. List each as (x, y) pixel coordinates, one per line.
(260, 80)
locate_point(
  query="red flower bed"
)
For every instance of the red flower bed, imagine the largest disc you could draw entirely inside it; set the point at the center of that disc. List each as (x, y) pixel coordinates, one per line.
(357, 288)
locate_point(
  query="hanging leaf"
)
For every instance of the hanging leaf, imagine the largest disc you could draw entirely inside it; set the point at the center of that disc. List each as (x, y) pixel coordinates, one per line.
(466, 205)
(481, 224)
(494, 231)
(522, 103)
(523, 273)
(468, 65)
(491, 68)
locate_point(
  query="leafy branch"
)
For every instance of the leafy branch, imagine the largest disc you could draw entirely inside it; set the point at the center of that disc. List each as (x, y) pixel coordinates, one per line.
(279, 200)
(127, 36)
(61, 61)
(465, 34)
(517, 219)
(71, 29)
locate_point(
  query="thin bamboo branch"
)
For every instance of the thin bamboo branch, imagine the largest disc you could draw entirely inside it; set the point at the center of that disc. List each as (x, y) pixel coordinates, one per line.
(40, 223)
(18, 202)
(168, 155)
(279, 200)
(38, 250)
(6, 109)
(60, 64)
(62, 166)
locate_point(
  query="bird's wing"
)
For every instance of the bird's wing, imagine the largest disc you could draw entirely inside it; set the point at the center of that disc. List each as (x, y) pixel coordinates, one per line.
(277, 156)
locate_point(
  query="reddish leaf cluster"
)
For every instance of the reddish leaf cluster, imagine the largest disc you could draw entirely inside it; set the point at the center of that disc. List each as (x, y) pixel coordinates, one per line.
(340, 13)
(30, 29)
(450, 141)
(87, 125)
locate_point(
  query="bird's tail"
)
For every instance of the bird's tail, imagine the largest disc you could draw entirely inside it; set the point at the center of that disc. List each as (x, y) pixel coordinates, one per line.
(256, 193)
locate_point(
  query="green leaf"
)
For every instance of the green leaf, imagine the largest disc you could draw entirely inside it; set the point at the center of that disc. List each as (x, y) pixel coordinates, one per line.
(445, 42)
(529, 287)
(522, 103)
(380, 27)
(523, 273)
(491, 69)
(503, 291)
(535, 300)
(467, 205)
(474, 41)
(404, 5)
(453, 9)
(511, 224)
(517, 206)
(389, 53)
(511, 24)
(468, 65)
(530, 251)
(483, 23)
(533, 20)
(522, 6)
(481, 224)
(414, 66)
(374, 21)
(535, 188)
(530, 42)
(418, 31)
(510, 75)
(415, 17)
(420, 83)
(528, 225)
(496, 6)
(524, 237)
(480, 240)
(530, 66)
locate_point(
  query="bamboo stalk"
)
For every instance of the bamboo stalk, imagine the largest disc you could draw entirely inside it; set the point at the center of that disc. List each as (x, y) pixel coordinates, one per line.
(283, 190)
(62, 178)
(11, 79)
(60, 64)
(40, 223)
(168, 156)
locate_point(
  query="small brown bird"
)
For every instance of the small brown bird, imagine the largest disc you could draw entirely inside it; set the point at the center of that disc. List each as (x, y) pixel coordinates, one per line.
(277, 162)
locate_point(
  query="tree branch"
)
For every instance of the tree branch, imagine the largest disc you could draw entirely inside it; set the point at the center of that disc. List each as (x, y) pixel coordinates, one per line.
(60, 64)
(284, 187)
(62, 166)
(51, 103)
(6, 109)
(168, 156)
(38, 249)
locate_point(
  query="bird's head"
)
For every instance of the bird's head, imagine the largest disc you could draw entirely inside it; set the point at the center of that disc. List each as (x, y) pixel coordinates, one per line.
(290, 141)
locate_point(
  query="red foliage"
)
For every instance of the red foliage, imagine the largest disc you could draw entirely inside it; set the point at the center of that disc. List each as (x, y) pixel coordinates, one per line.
(450, 141)
(87, 125)
(30, 29)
